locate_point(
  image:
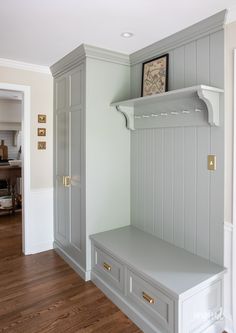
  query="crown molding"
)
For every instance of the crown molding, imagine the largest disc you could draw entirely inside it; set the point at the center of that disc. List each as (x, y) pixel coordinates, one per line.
(205, 27)
(107, 55)
(79, 54)
(24, 66)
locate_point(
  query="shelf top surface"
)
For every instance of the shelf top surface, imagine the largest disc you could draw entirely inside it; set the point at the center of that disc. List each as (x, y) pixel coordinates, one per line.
(184, 92)
(174, 268)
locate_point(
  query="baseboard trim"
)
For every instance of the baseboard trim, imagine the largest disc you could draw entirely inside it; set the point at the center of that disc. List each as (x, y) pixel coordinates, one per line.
(86, 275)
(39, 248)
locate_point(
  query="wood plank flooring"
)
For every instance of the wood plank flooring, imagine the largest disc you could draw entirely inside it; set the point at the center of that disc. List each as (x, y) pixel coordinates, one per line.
(41, 294)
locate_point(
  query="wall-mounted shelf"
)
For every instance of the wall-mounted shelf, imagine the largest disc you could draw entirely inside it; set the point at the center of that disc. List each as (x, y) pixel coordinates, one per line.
(193, 106)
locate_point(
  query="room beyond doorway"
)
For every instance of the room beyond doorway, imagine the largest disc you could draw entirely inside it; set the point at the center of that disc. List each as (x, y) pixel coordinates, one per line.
(23, 152)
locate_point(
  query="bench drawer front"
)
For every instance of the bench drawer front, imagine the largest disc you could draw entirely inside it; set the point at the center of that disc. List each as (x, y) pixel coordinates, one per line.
(156, 306)
(111, 271)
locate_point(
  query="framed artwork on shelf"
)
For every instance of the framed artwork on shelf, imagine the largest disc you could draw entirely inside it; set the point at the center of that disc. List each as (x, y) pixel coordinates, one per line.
(155, 76)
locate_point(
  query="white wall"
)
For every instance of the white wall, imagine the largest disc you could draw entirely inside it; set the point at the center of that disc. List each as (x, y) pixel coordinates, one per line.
(39, 233)
(41, 85)
(230, 45)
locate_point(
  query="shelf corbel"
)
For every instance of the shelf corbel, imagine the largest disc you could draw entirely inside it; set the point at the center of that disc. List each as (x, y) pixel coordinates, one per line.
(212, 101)
(128, 113)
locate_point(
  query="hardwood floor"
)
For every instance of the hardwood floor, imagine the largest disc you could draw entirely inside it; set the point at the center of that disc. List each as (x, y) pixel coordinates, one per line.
(41, 293)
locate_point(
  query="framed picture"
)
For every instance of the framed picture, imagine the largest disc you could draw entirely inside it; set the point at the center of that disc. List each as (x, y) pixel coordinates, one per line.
(41, 131)
(42, 118)
(41, 145)
(155, 76)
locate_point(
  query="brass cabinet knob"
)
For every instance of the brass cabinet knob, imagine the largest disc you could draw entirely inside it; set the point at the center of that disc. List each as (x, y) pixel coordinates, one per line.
(66, 181)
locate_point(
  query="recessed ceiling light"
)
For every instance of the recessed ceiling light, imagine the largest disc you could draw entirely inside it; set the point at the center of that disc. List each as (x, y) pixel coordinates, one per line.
(127, 34)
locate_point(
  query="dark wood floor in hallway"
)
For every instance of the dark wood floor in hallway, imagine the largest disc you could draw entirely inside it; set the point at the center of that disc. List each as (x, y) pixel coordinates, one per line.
(40, 293)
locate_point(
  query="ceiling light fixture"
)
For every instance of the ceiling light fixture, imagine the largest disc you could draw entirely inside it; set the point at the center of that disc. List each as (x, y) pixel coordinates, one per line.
(127, 34)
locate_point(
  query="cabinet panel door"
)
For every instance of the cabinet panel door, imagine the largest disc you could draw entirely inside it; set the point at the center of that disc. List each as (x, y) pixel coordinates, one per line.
(61, 170)
(76, 158)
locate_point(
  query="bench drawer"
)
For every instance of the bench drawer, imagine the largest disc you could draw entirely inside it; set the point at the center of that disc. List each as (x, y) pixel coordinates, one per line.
(110, 270)
(149, 300)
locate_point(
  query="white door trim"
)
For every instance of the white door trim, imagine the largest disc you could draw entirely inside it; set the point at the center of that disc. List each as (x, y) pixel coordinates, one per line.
(234, 201)
(25, 90)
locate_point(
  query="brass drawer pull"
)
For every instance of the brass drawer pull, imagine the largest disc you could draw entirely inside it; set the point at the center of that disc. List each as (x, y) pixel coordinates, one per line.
(106, 266)
(148, 298)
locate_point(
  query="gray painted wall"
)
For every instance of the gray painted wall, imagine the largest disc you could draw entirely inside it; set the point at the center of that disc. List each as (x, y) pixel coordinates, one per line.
(173, 195)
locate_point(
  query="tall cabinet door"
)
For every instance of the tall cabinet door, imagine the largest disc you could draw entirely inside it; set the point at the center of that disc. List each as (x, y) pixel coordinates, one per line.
(77, 232)
(70, 233)
(61, 161)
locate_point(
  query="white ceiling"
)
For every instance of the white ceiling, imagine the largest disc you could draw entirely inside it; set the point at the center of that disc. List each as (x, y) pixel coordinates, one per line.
(42, 31)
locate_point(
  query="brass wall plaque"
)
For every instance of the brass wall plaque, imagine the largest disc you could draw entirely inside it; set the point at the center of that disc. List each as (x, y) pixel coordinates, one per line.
(41, 145)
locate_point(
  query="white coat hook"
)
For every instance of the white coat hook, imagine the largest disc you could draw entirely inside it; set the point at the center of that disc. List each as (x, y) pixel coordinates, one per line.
(186, 112)
(137, 117)
(145, 116)
(198, 110)
(154, 115)
(164, 114)
(174, 113)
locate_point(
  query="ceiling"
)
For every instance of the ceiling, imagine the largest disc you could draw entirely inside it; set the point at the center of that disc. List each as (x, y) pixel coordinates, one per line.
(42, 31)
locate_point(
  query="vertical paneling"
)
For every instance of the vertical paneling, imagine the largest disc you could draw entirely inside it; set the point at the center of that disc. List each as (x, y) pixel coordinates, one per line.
(217, 59)
(173, 194)
(171, 71)
(217, 148)
(203, 192)
(178, 68)
(203, 60)
(178, 186)
(136, 78)
(168, 185)
(158, 181)
(190, 64)
(190, 186)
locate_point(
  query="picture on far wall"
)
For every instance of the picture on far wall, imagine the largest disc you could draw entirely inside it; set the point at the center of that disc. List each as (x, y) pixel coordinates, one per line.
(155, 76)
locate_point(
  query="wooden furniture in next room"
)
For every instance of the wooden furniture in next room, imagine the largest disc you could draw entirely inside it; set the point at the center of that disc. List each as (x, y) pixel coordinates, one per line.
(10, 173)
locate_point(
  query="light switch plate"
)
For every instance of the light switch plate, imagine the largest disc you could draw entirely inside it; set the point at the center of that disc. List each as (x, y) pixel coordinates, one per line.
(211, 162)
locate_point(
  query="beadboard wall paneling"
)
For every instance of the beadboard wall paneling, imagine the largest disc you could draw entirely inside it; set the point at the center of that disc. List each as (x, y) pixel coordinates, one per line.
(198, 62)
(173, 195)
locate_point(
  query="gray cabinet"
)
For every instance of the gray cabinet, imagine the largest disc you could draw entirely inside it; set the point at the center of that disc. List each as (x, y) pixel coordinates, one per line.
(70, 164)
(90, 147)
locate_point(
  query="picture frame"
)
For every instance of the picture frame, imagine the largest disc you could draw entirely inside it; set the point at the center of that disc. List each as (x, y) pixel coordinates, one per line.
(41, 145)
(155, 76)
(42, 118)
(41, 131)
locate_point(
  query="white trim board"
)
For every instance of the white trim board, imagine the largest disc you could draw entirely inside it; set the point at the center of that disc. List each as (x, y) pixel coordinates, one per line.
(24, 65)
(228, 278)
(234, 202)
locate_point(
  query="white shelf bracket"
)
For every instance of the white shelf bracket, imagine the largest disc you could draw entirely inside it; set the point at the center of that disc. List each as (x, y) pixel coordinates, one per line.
(212, 101)
(128, 112)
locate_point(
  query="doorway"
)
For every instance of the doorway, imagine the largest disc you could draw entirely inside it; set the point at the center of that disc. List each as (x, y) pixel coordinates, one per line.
(19, 189)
